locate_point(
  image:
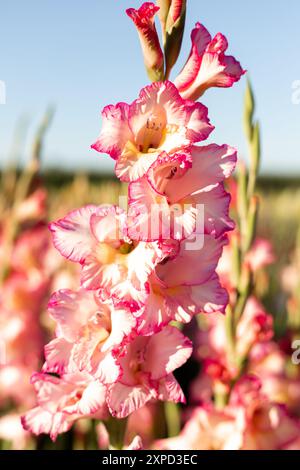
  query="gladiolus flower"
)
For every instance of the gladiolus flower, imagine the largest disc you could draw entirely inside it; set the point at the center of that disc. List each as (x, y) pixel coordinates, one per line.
(182, 192)
(249, 422)
(88, 329)
(267, 425)
(143, 19)
(158, 121)
(34, 207)
(207, 429)
(63, 400)
(181, 288)
(207, 65)
(254, 326)
(260, 255)
(115, 349)
(31, 252)
(97, 239)
(147, 364)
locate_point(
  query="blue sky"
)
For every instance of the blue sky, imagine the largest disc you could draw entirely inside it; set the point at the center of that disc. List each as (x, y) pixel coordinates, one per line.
(81, 55)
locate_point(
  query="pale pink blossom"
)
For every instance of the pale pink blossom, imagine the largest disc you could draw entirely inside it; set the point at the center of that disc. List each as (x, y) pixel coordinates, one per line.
(280, 382)
(30, 254)
(34, 207)
(182, 194)
(88, 330)
(207, 429)
(158, 121)
(290, 276)
(267, 424)
(260, 255)
(250, 421)
(24, 293)
(207, 65)
(97, 239)
(254, 327)
(181, 288)
(63, 400)
(20, 303)
(147, 364)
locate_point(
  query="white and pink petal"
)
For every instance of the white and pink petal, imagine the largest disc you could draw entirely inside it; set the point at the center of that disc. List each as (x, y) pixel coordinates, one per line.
(115, 130)
(72, 235)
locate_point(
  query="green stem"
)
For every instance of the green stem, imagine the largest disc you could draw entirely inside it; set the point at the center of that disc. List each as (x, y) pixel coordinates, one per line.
(173, 419)
(230, 333)
(116, 429)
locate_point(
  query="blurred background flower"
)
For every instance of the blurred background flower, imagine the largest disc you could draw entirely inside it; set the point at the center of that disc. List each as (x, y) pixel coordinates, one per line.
(48, 169)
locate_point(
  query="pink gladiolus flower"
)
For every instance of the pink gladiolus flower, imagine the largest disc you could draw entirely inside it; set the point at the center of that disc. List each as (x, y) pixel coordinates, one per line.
(207, 429)
(97, 238)
(254, 327)
(88, 329)
(181, 288)
(114, 349)
(63, 400)
(30, 253)
(143, 19)
(270, 363)
(158, 121)
(24, 293)
(20, 303)
(147, 364)
(260, 255)
(249, 422)
(267, 425)
(207, 65)
(34, 207)
(182, 194)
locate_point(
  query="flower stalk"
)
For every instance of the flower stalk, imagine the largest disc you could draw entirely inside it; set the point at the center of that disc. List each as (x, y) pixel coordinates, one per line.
(247, 210)
(22, 191)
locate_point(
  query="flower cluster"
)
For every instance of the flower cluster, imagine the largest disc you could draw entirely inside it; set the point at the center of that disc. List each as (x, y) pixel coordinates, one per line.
(261, 410)
(146, 266)
(28, 268)
(250, 421)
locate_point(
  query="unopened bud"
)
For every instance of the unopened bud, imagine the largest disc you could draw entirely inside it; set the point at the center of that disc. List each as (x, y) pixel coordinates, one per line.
(143, 18)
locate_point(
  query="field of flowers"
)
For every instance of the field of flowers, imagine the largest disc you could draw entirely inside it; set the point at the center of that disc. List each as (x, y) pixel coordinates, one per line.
(117, 332)
(37, 271)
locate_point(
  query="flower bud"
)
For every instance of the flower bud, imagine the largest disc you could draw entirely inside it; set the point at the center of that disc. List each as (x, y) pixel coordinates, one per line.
(143, 18)
(172, 18)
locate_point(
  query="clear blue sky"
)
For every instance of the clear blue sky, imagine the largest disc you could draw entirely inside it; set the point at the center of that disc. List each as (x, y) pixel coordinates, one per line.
(81, 55)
